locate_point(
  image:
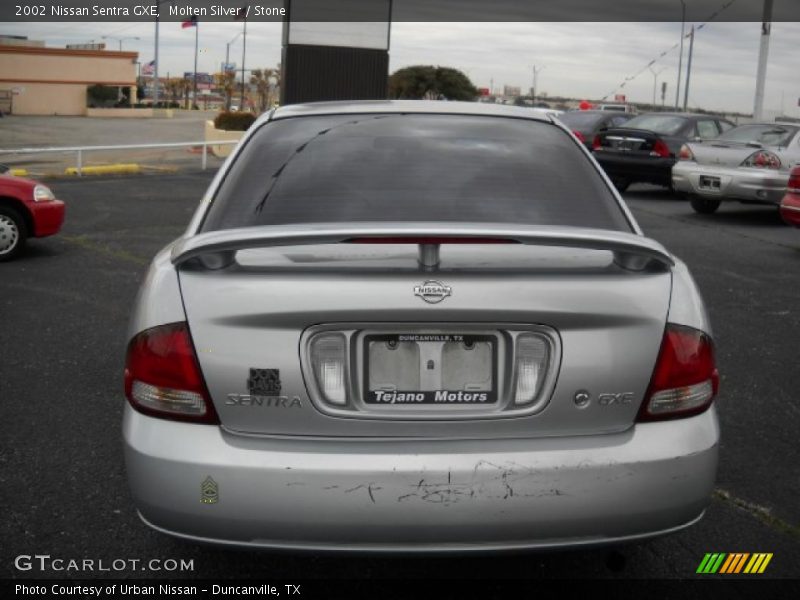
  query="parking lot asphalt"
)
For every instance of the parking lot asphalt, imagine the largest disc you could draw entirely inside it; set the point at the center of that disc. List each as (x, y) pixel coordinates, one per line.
(63, 315)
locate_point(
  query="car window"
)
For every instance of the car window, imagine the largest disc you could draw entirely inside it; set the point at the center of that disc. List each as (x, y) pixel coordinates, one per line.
(617, 121)
(725, 125)
(412, 167)
(707, 129)
(767, 134)
(663, 124)
(580, 119)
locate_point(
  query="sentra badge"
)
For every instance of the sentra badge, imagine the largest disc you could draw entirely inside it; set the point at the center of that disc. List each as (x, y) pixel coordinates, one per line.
(433, 292)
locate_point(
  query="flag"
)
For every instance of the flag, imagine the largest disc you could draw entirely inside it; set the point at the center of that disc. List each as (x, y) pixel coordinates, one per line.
(149, 68)
(241, 14)
(190, 23)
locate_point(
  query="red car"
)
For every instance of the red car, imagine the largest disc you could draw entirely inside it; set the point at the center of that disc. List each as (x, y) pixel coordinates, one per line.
(27, 209)
(790, 205)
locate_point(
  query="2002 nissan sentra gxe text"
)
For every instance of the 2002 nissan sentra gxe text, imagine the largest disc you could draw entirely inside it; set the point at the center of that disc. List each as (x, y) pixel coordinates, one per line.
(419, 326)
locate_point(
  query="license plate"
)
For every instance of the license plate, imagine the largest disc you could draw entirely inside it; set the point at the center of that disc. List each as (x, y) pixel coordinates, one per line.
(412, 369)
(708, 182)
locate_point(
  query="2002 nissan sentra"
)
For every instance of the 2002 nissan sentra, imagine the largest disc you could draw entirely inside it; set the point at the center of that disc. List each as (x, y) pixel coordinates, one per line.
(417, 326)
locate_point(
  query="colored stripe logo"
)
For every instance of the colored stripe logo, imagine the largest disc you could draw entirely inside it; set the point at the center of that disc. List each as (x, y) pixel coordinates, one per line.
(734, 563)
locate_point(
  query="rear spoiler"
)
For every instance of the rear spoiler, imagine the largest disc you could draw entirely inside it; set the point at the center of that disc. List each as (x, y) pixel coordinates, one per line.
(217, 249)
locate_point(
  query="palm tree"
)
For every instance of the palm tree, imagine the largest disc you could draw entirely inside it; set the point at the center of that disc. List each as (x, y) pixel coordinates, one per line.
(265, 80)
(226, 81)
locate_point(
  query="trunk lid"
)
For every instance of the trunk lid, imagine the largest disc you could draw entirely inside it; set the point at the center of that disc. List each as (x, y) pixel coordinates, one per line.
(723, 154)
(251, 323)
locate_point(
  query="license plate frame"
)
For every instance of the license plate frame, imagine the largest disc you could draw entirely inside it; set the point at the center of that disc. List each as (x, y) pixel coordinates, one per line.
(710, 183)
(430, 398)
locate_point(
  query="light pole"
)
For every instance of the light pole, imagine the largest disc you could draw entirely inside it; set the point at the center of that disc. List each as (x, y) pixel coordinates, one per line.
(227, 62)
(536, 79)
(763, 54)
(120, 40)
(680, 57)
(655, 81)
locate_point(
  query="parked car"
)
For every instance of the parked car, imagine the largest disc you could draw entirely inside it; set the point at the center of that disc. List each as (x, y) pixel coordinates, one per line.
(417, 326)
(586, 124)
(750, 163)
(646, 148)
(27, 209)
(790, 205)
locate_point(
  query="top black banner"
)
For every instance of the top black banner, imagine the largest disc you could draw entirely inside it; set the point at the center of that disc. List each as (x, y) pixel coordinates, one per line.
(12, 11)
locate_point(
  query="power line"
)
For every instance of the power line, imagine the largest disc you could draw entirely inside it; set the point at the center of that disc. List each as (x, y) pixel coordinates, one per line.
(710, 18)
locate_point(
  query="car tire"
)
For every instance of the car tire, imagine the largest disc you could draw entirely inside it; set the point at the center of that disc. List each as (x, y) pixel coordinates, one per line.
(620, 183)
(704, 206)
(13, 233)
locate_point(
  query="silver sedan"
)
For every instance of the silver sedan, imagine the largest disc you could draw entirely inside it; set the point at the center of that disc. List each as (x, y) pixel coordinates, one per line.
(417, 326)
(749, 163)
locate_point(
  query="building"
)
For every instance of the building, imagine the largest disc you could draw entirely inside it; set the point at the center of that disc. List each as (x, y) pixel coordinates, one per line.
(38, 80)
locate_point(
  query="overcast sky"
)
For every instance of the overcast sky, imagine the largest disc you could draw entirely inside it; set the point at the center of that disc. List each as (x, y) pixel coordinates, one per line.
(587, 60)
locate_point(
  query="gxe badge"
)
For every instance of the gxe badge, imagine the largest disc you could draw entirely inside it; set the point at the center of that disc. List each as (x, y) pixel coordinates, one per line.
(432, 292)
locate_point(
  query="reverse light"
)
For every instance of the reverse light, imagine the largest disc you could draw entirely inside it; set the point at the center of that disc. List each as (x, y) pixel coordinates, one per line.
(329, 364)
(685, 153)
(163, 378)
(763, 159)
(685, 379)
(42, 193)
(530, 367)
(660, 149)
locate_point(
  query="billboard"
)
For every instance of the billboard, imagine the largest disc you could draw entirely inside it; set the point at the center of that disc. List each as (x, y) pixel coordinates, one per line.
(202, 78)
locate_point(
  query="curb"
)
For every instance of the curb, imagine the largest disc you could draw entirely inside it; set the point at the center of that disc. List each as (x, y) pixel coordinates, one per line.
(116, 169)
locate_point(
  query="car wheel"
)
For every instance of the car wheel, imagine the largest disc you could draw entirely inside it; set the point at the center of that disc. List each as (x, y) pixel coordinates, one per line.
(704, 206)
(12, 233)
(620, 183)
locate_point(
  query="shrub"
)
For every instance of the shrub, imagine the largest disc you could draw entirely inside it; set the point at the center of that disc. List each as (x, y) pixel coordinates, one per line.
(101, 95)
(234, 121)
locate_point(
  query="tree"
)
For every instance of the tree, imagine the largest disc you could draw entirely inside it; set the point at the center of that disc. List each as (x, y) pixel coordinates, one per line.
(422, 81)
(264, 80)
(226, 81)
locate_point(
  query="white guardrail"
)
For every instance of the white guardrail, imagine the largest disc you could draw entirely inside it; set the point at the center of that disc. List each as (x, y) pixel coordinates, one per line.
(79, 150)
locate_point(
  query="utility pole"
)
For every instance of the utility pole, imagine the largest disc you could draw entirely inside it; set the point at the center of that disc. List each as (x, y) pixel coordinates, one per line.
(763, 53)
(196, 37)
(244, 50)
(680, 57)
(688, 69)
(155, 73)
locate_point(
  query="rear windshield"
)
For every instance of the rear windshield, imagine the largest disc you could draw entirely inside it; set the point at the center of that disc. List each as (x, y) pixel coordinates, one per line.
(657, 123)
(411, 167)
(578, 119)
(768, 135)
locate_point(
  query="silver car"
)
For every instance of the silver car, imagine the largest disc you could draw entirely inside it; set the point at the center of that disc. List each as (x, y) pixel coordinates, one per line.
(750, 163)
(417, 326)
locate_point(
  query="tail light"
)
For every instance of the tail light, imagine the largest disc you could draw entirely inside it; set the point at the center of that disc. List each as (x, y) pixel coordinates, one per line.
(793, 186)
(660, 149)
(685, 153)
(163, 377)
(597, 143)
(580, 136)
(762, 159)
(685, 379)
(329, 365)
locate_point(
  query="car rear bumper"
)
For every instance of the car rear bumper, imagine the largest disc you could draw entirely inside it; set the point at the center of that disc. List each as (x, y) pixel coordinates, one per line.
(636, 168)
(753, 185)
(420, 495)
(47, 217)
